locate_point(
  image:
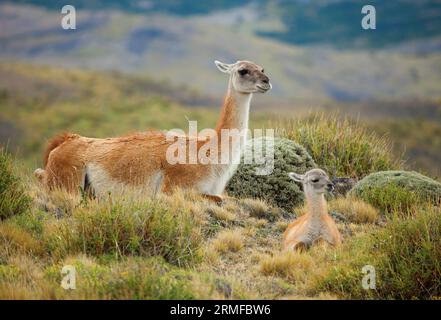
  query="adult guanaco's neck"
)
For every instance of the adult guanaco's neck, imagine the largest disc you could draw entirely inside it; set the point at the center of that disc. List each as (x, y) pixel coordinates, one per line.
(316, 205)
(235, 111)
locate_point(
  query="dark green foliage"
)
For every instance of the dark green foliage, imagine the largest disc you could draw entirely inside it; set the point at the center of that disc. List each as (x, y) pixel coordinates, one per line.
(13, 198)
(397, 190)
(276, 188)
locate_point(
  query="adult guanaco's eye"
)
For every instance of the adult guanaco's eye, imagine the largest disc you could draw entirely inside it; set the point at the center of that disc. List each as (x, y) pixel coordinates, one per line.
(315, 180)
(243, 72)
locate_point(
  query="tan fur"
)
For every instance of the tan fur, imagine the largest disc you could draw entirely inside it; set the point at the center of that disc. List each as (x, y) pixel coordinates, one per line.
(316, 225)
(137, 160)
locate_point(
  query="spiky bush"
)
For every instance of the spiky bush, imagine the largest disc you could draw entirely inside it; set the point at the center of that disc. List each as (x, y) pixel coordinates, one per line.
(13, 198)
(340, 146)
(397, 190)
(128, 228)
(354, 210)
(275, 188)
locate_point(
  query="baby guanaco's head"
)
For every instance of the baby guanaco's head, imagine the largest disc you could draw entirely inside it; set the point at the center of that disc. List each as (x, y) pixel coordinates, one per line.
(315, 181)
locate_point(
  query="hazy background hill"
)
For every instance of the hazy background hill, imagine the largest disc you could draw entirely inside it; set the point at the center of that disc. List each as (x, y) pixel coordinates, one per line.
(313, 50)
(132, 60)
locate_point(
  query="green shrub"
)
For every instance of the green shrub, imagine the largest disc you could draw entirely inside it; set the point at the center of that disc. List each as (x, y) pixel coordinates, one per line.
(406, 256)
(122, 228)
(340, 146)
(31, 221)
(276, 188)
(397, 191)
(134, 278)
(13, 198)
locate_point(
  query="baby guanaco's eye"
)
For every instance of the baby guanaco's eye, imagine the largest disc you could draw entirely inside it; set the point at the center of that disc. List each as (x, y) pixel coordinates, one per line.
(315, 180)
(243, 72)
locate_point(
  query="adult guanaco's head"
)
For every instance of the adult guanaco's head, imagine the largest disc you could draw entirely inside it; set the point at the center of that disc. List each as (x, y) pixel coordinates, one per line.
(246, 76)
(315, 181)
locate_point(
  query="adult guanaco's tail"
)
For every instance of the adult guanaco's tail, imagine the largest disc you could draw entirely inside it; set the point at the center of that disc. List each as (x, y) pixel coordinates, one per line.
(53, 143)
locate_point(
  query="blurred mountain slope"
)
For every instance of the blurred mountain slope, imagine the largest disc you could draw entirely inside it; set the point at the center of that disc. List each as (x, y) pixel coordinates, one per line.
(333, 22)
(181, 49)
(37, 102)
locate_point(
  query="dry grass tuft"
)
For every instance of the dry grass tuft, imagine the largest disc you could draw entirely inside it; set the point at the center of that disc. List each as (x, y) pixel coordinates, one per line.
(14, 240)
(228, 241)
(220, 213)
(258, 208)
(355, 210)
(57, 202)
(289, 264)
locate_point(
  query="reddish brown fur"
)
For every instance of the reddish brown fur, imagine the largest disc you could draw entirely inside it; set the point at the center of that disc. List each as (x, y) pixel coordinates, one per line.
(53, 143)
(130, 160)
(227, 118)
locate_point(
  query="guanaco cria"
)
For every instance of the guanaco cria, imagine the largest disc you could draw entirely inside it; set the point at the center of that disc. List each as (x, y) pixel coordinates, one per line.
(316, 224)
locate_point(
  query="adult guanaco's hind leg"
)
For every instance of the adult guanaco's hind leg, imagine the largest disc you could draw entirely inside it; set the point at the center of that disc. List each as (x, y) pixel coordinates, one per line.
(216, 199)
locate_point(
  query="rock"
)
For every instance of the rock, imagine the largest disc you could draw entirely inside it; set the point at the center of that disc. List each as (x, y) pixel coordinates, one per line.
(337, 216)
(343, 185)
(276, 188)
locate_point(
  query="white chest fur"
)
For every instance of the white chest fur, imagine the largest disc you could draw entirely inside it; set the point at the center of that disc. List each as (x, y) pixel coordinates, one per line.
(221, 173)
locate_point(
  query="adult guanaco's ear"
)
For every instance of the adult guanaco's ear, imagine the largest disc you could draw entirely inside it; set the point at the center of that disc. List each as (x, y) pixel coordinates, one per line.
(296, 177)
(223, 67)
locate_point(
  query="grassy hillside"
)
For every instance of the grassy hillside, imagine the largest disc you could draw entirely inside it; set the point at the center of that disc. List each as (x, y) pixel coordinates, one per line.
(418, 140)
(40, 101)
(181, 246)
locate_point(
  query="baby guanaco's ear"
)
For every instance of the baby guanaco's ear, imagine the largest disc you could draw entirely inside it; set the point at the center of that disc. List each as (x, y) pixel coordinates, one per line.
(296, 177)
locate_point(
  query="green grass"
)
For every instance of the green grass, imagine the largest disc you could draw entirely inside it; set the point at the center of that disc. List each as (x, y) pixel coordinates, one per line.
(121, 247)
(13, 197)
(127, 228)
(179, 247)
(405, 255)
(340, 145)
(134, 278)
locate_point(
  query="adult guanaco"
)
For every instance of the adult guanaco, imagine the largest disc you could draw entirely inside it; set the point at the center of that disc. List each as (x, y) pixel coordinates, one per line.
(140, 161)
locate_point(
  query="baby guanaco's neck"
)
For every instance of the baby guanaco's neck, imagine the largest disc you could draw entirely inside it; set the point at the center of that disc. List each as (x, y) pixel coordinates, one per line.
(316, 205)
